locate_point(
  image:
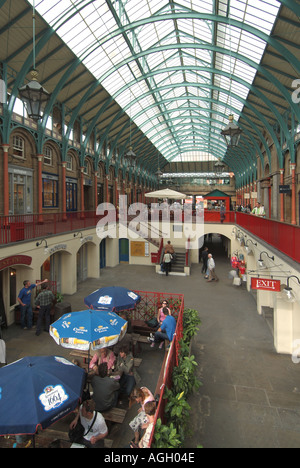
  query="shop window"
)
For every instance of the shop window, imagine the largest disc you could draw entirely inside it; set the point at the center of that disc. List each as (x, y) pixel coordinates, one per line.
(50, 193)
(18, 147)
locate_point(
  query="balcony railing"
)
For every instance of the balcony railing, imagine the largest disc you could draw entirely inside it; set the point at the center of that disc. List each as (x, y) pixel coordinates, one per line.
(34, 226)
(284, 237)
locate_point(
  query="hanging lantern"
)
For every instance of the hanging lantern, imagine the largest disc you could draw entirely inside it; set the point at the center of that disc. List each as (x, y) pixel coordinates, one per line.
(131, 158)
(231, 133)
(34, 97)
(219, 167)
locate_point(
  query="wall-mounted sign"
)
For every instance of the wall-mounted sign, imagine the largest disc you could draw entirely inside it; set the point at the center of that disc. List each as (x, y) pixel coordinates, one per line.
(284, 188)
(137, 249)
(15, 260)
(55, 248)
(262, 284)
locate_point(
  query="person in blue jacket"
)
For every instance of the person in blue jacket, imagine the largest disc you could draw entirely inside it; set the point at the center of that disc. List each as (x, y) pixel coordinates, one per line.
(24, 299)
(166, 330)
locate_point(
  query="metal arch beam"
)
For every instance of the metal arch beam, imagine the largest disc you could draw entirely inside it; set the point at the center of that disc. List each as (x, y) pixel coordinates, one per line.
(188, 14)
(199, 16)
(197, 68)
(210, 18)
(280, 87)
(215, 135)
(220, 50)
(292, 5)
(216, 102)
(126, 125)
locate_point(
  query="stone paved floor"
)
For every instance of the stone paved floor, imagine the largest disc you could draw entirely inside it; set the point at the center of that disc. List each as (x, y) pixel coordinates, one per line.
(250, 396)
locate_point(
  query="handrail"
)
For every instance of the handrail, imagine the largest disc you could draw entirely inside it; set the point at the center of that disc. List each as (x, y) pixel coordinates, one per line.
(282, 236)
(17, 228)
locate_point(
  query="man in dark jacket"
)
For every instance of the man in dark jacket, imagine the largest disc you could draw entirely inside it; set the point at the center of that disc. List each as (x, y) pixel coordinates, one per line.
(105, 389)
(204, 256)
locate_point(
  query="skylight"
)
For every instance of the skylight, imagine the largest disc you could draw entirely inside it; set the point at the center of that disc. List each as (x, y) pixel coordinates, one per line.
(181, 63)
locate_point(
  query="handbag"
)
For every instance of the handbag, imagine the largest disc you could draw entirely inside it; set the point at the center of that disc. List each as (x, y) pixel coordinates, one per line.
(77, 432)
(152, 323)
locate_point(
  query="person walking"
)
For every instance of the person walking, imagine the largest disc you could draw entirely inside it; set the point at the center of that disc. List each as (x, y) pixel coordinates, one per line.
(24, 299)
(211, 268)
(44, 302)
(167, 262)
(204, 257)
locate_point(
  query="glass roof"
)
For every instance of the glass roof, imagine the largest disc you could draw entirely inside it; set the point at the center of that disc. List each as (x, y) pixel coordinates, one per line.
(176, 68)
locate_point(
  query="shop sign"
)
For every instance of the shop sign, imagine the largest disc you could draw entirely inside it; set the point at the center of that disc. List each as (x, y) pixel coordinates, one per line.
(15, 260)
(285, 189)
(262, 284)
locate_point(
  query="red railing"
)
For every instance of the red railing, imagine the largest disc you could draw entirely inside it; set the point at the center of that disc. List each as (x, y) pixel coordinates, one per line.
(146, 309)
(211, 216)
(284, 237)
(27, 227)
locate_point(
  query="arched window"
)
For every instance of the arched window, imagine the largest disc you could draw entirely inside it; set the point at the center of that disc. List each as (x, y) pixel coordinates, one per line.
(69, 162)
(48, 156)
(18, 147)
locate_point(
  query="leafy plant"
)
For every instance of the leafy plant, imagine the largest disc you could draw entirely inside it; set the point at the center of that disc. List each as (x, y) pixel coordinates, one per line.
(191, 320)
(184, 379)
(166, 436)
(177, 411)
(59, 297)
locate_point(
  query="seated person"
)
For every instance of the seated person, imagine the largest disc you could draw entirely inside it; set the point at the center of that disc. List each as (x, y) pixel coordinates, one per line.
(163, 312)
(150, 410)
(140, 395)
(165, 332)
(105, 389)
(102, 355)
(124, 367)
(94, 426)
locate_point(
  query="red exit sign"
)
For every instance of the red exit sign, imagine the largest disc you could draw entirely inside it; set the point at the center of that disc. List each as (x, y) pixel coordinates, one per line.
(265, 284)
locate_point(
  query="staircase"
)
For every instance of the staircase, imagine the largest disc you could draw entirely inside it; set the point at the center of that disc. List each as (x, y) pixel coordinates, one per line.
(179, 263)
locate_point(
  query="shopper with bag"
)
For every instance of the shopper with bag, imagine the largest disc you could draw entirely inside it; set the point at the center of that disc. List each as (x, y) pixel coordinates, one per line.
(89, 427)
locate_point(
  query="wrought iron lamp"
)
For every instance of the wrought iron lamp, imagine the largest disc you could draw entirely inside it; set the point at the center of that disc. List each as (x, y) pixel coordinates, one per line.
(248, 248)
(131, 158)
(33, 95)
(260, 261)
(38, 243)
(289, 291)
(231, 133)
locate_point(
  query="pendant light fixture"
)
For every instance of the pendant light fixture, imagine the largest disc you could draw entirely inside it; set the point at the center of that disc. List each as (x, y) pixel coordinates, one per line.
(33, 95)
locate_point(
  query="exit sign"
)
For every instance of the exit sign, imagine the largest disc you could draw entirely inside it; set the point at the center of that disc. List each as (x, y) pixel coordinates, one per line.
(262, 284)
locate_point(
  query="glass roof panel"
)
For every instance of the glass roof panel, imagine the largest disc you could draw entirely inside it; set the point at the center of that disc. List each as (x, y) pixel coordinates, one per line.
(101, 35)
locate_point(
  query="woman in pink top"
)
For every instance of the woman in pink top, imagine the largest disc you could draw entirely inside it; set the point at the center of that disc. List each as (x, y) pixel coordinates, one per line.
(140, 395)
(161, 312)
(102, 355)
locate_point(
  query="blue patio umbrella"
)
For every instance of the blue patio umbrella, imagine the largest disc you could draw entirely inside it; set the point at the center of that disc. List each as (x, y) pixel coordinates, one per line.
(88, 328)
(37, 391)
(113, 298)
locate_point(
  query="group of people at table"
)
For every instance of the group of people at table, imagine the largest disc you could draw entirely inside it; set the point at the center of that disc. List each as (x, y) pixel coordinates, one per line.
(112, 373)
